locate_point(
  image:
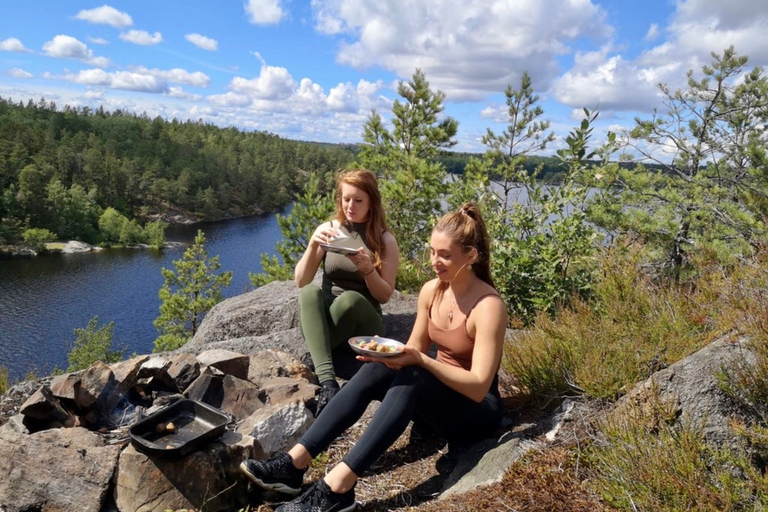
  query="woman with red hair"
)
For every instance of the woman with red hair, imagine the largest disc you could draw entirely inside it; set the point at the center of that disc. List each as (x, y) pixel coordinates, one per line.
(348, 301)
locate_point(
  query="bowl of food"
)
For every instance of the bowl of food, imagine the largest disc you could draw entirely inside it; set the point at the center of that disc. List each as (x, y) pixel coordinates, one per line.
(376, 346)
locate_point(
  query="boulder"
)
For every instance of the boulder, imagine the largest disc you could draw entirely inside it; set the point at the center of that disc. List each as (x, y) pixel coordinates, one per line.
(57, 469)
(689, 393)
(207, 479)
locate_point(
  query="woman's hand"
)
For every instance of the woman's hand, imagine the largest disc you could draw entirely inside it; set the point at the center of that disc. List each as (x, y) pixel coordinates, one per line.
(409, 356)
(323, 235)
(362, 260)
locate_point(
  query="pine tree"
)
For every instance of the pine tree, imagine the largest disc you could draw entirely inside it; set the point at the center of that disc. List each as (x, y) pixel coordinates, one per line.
(188, 294)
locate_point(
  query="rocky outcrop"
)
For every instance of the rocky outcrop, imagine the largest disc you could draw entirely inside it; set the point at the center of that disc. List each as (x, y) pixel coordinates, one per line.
(65, 441)
(689, 393)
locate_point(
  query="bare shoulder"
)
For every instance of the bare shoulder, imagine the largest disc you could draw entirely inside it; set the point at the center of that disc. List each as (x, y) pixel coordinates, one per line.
(428, 290)
(491, 304)
(389, 239)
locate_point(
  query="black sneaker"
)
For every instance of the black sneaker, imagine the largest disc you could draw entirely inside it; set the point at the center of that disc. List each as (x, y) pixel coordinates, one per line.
(320, 498)
(328, 390)
(278, 473)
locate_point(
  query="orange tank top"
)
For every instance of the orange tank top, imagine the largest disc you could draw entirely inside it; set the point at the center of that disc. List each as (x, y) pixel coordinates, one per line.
(454, 346)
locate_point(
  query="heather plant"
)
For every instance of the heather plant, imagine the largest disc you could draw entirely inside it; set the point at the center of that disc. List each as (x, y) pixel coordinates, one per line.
(630, 327)
(650, 464)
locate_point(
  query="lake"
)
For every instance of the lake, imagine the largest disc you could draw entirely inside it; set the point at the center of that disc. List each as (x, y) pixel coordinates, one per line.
(44, 299)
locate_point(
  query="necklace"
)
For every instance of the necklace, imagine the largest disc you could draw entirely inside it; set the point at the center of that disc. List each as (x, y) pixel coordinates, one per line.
(454, 301)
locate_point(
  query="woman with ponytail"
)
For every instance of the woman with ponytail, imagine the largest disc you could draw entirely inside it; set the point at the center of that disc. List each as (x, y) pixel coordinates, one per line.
(456, 394)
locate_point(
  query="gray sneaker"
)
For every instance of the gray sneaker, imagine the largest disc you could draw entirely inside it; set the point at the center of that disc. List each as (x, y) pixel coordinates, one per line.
(278, 473)
(320, 498)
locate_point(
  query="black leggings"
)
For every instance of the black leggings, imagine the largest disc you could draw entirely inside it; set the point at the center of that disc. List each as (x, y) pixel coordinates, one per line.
(407, 394)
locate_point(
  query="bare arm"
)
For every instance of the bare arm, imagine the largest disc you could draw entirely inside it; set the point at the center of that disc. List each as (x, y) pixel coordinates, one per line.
(381, 281)
(487, 321)
(307, 266)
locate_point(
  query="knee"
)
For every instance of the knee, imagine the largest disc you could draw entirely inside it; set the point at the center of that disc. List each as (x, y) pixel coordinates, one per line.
(310, 294)
(350, 300)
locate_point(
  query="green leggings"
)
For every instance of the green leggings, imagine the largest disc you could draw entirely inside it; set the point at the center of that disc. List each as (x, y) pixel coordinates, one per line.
(327, 325)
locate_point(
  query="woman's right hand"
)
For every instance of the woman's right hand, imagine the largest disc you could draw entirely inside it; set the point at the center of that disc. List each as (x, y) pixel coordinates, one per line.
(323, 235)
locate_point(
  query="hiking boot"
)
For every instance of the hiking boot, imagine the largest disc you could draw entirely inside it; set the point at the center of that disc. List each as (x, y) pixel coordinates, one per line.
(328, 390)
(320, 498)
(306, 360)
(278, 473)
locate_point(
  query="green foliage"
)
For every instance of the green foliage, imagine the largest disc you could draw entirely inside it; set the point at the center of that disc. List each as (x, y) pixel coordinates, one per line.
(311, 208)
(77, 211)
(36, 239)
(58, 161)
(630, 328)
(4, 384)
(649, 465)
(154, 233)
(117, 229)
(412, 183)
(707, 191)
(187, 294)
(543, 246)
(93, 343)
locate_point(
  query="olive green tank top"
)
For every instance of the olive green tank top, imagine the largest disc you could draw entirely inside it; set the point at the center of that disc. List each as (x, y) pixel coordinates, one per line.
(340, 274)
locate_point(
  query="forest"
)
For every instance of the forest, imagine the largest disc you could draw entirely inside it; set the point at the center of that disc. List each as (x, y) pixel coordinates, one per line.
(62, 168)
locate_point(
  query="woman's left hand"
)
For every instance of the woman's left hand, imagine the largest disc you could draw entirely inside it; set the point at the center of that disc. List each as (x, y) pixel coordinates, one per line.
(362, 260)
(409, 356)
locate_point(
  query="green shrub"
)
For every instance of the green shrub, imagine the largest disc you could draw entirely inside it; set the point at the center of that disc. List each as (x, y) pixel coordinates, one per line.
(631, 327)
(4, 384)
(656, 467)
(36, 238)
(93, 343)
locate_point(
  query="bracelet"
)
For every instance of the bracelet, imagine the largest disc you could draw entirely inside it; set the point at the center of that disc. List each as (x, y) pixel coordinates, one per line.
(370, 271)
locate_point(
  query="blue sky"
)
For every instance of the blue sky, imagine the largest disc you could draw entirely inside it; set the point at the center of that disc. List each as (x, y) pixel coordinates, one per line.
(314, 70)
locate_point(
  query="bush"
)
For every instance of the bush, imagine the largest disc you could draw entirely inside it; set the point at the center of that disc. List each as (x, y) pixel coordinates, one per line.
(649, 465)
(36, 238)
(93, 343)
(631, 327)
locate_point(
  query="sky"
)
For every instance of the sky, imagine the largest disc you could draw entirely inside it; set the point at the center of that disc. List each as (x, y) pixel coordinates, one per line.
(315, 69)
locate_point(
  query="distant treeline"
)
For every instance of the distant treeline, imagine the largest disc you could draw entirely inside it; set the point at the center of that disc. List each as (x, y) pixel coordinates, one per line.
(141, 166)
(552, 168)
(61, 168)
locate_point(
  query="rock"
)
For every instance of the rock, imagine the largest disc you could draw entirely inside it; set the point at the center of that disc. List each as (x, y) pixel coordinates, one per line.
(689, 393)
(485, 463)
(59, 469)
(229, 362)
(207, 479)
(277, 427)
(73, 246)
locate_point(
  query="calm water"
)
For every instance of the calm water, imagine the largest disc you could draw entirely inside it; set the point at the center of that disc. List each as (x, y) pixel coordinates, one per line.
(43, 299)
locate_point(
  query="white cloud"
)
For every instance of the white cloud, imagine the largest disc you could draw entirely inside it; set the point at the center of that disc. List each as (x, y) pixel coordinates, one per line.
(177, 76)
(229, 100)
(264, 12)
(273, 83)
(467, 48)
(98, 40)
(607, 82)
(68, 47)
(142, 37)
(653, 32)
(124, 80)
(206, 43)
(12, 45)
(19, 73)
(179, 93)
(105, 15)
